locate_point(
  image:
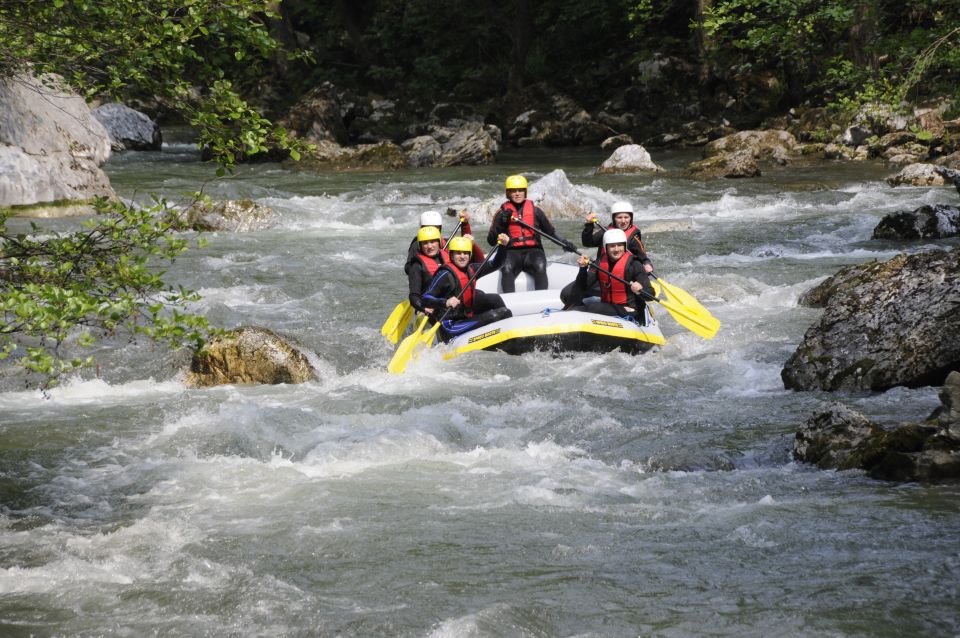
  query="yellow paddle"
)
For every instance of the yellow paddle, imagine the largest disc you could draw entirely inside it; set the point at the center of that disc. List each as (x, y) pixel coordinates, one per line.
(407, 348)
(398, 363)
(397, 322)
(695, 318)
(683, 298)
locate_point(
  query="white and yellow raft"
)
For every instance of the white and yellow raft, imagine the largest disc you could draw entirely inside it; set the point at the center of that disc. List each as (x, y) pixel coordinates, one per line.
(540, 323)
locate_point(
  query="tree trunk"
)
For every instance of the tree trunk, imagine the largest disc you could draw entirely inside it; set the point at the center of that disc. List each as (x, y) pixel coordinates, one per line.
(521, 33)
(862, 33)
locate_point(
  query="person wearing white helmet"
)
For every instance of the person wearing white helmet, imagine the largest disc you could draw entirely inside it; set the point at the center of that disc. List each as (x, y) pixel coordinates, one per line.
(469, 308)
(525, 250)
(616, 298)
(621, 214)
(433, 218)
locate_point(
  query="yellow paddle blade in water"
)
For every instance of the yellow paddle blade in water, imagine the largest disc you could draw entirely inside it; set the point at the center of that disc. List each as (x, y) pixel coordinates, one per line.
(428, 335)
(392, 325)
(686, 310)
(394, 336)
(404, 352)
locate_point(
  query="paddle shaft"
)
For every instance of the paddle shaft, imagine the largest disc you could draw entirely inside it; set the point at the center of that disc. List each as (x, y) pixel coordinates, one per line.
(452, 235)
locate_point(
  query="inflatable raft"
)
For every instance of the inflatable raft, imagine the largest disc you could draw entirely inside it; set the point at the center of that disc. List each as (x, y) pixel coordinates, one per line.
(540, 323)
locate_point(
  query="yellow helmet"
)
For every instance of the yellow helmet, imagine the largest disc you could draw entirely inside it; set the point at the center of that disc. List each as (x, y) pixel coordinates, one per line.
(460, 244)
(428, 233)
(516, 181)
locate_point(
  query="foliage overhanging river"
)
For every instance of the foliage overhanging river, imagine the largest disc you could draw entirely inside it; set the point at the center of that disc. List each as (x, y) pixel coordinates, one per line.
(490, 495)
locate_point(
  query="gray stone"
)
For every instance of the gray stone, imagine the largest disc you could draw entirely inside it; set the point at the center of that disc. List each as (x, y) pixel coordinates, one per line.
(129, 129)
(926, 222)
(885, 324)
(51, 147)
(237, 216)
(249, 355)
(631, 158)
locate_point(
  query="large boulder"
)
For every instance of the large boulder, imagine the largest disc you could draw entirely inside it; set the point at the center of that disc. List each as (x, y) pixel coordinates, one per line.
(927, 222)
(738, 154)
(330, 156)
(458, 143)
(129, 129)
(556, 196)
(917, 174)
(316, 117)
(51, 147)
(843, 439)
(248, 355)
(885, 324)
(770, 145)
(729, 165)
(234, 215)
(631, 158)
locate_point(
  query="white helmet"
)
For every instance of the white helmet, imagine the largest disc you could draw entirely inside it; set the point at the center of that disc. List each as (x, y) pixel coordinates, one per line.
(614, 236)
(431, 218)
(621, 207)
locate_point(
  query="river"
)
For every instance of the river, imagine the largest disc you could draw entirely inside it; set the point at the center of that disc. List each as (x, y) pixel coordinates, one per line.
(489, 495)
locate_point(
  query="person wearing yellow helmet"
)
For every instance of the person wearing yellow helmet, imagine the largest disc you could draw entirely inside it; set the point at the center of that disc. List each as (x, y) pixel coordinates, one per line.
(525, 250)
(469, 308)
(616, 298)
(424, 264)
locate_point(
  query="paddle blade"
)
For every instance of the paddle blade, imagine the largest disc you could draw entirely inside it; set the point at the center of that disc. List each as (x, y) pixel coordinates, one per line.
(394, 336)
(694, 317)
(428, 335)
(404, 352)
(390, 325)
(683, 297)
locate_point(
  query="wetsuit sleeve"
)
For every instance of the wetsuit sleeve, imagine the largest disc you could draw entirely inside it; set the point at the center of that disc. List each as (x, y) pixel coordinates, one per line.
(438, 290)
(636, 273)
(477, 253)
(497, 226)
(586, 278)
(591, 235)
(415, 284)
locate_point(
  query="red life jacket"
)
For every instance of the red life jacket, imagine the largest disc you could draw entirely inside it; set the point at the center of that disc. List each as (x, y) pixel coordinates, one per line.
(430, 264)
(462, 278)
(521, 237)
(611, 290)
(629, 232)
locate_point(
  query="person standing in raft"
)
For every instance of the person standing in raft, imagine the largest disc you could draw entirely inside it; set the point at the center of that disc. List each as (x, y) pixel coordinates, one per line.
(433, 219)
(621, 217)
(524, 251)
(616, 298)
(469, 308)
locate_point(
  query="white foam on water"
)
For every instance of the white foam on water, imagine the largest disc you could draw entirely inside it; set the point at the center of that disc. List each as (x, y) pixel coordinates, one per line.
(76, 390)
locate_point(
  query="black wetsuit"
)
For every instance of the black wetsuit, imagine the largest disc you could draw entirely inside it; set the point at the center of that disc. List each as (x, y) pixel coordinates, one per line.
(528, 259)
